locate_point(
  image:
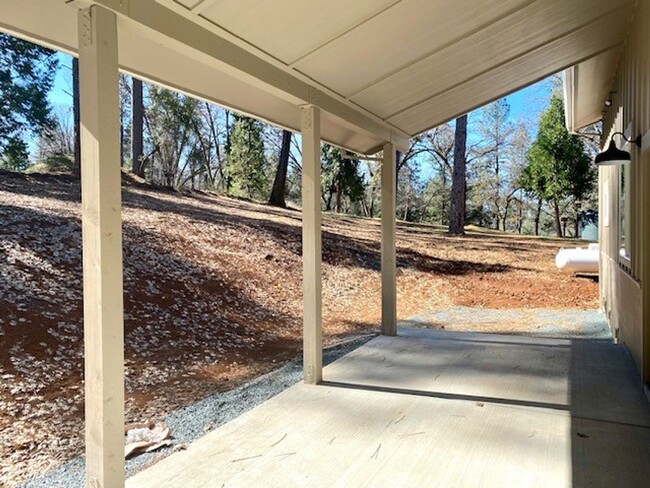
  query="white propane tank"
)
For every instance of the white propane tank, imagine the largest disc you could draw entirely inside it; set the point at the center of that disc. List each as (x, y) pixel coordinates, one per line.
(578, 260)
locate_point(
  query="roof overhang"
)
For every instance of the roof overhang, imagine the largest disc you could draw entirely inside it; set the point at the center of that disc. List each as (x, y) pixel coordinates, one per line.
(380, 70)
(587, 87)
(158, 45)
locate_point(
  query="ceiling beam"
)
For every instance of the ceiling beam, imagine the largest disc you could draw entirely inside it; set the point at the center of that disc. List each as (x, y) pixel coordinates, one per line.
(179, 33)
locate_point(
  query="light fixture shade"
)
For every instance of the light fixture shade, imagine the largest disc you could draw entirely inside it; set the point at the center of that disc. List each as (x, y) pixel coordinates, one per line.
(613, 156)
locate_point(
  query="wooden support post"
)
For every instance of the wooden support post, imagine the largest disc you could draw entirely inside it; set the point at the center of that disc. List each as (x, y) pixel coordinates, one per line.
(102, 248)
(311, 247)
(388, 260)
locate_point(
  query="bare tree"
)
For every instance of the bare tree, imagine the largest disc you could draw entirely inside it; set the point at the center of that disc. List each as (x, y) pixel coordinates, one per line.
(517, 156)
(441, 147)
(496, 130)
(56, 144)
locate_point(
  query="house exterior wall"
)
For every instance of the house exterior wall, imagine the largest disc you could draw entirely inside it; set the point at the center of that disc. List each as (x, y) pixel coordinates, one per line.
(624, 298)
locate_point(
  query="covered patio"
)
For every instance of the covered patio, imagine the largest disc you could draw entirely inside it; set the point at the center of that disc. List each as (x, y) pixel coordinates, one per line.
(424, 407)
(436, 408)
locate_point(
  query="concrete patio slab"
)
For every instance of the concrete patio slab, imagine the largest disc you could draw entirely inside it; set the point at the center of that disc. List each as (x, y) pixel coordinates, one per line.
(434, 408)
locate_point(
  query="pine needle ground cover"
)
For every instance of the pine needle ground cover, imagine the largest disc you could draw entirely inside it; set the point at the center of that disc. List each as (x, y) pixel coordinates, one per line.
(213, 298)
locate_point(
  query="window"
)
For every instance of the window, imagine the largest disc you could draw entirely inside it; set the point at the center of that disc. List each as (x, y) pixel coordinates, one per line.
(624, 212)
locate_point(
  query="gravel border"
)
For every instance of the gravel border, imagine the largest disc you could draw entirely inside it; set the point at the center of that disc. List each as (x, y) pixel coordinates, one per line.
(194, 421)
(539, 322)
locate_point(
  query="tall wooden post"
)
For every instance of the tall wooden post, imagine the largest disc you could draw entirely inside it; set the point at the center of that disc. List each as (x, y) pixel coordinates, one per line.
(388, 260)
(102, 248)
(311, 246)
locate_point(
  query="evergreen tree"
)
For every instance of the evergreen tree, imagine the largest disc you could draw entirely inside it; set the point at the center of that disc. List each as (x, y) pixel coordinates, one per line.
(15, 156)
(459, 183)
(245, 171)
(558, 166)
(340, 179)
(26, 75)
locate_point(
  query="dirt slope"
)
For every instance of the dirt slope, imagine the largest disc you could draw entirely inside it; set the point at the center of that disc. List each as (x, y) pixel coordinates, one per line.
(213, 297)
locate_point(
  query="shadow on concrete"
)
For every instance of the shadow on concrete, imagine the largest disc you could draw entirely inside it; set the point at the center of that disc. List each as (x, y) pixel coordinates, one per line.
(593, 382)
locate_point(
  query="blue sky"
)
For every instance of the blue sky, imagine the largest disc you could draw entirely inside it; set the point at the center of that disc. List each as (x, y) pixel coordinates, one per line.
(529, 103)
(526, 105)
(60, 93)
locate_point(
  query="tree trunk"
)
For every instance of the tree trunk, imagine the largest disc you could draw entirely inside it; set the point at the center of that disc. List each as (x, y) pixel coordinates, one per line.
(364, 207)
(328, 200)
(280, 181)
(137, 117)
(497, 198)
(76, 116)
(398, 166)
(538, 215)
(558, 224)
(458, 185)
(121, 140)
(339, 192)
(407, 202)
(443, 207)
(505, 214)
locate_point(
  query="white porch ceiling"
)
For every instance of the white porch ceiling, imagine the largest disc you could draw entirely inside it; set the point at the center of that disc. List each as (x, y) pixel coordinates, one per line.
(380, 69)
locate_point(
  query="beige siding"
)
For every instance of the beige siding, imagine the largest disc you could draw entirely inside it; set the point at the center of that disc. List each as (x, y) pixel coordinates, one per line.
(623, 296)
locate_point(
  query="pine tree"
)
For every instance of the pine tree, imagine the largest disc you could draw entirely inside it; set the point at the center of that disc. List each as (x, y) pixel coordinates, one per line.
(245, 170)
(458, 188)
(26, 75)
(340, 179)
(558, 166)
(15, 156)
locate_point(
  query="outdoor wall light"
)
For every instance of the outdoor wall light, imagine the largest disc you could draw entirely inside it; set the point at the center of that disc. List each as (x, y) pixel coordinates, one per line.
(613, 155)
(608, 102)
